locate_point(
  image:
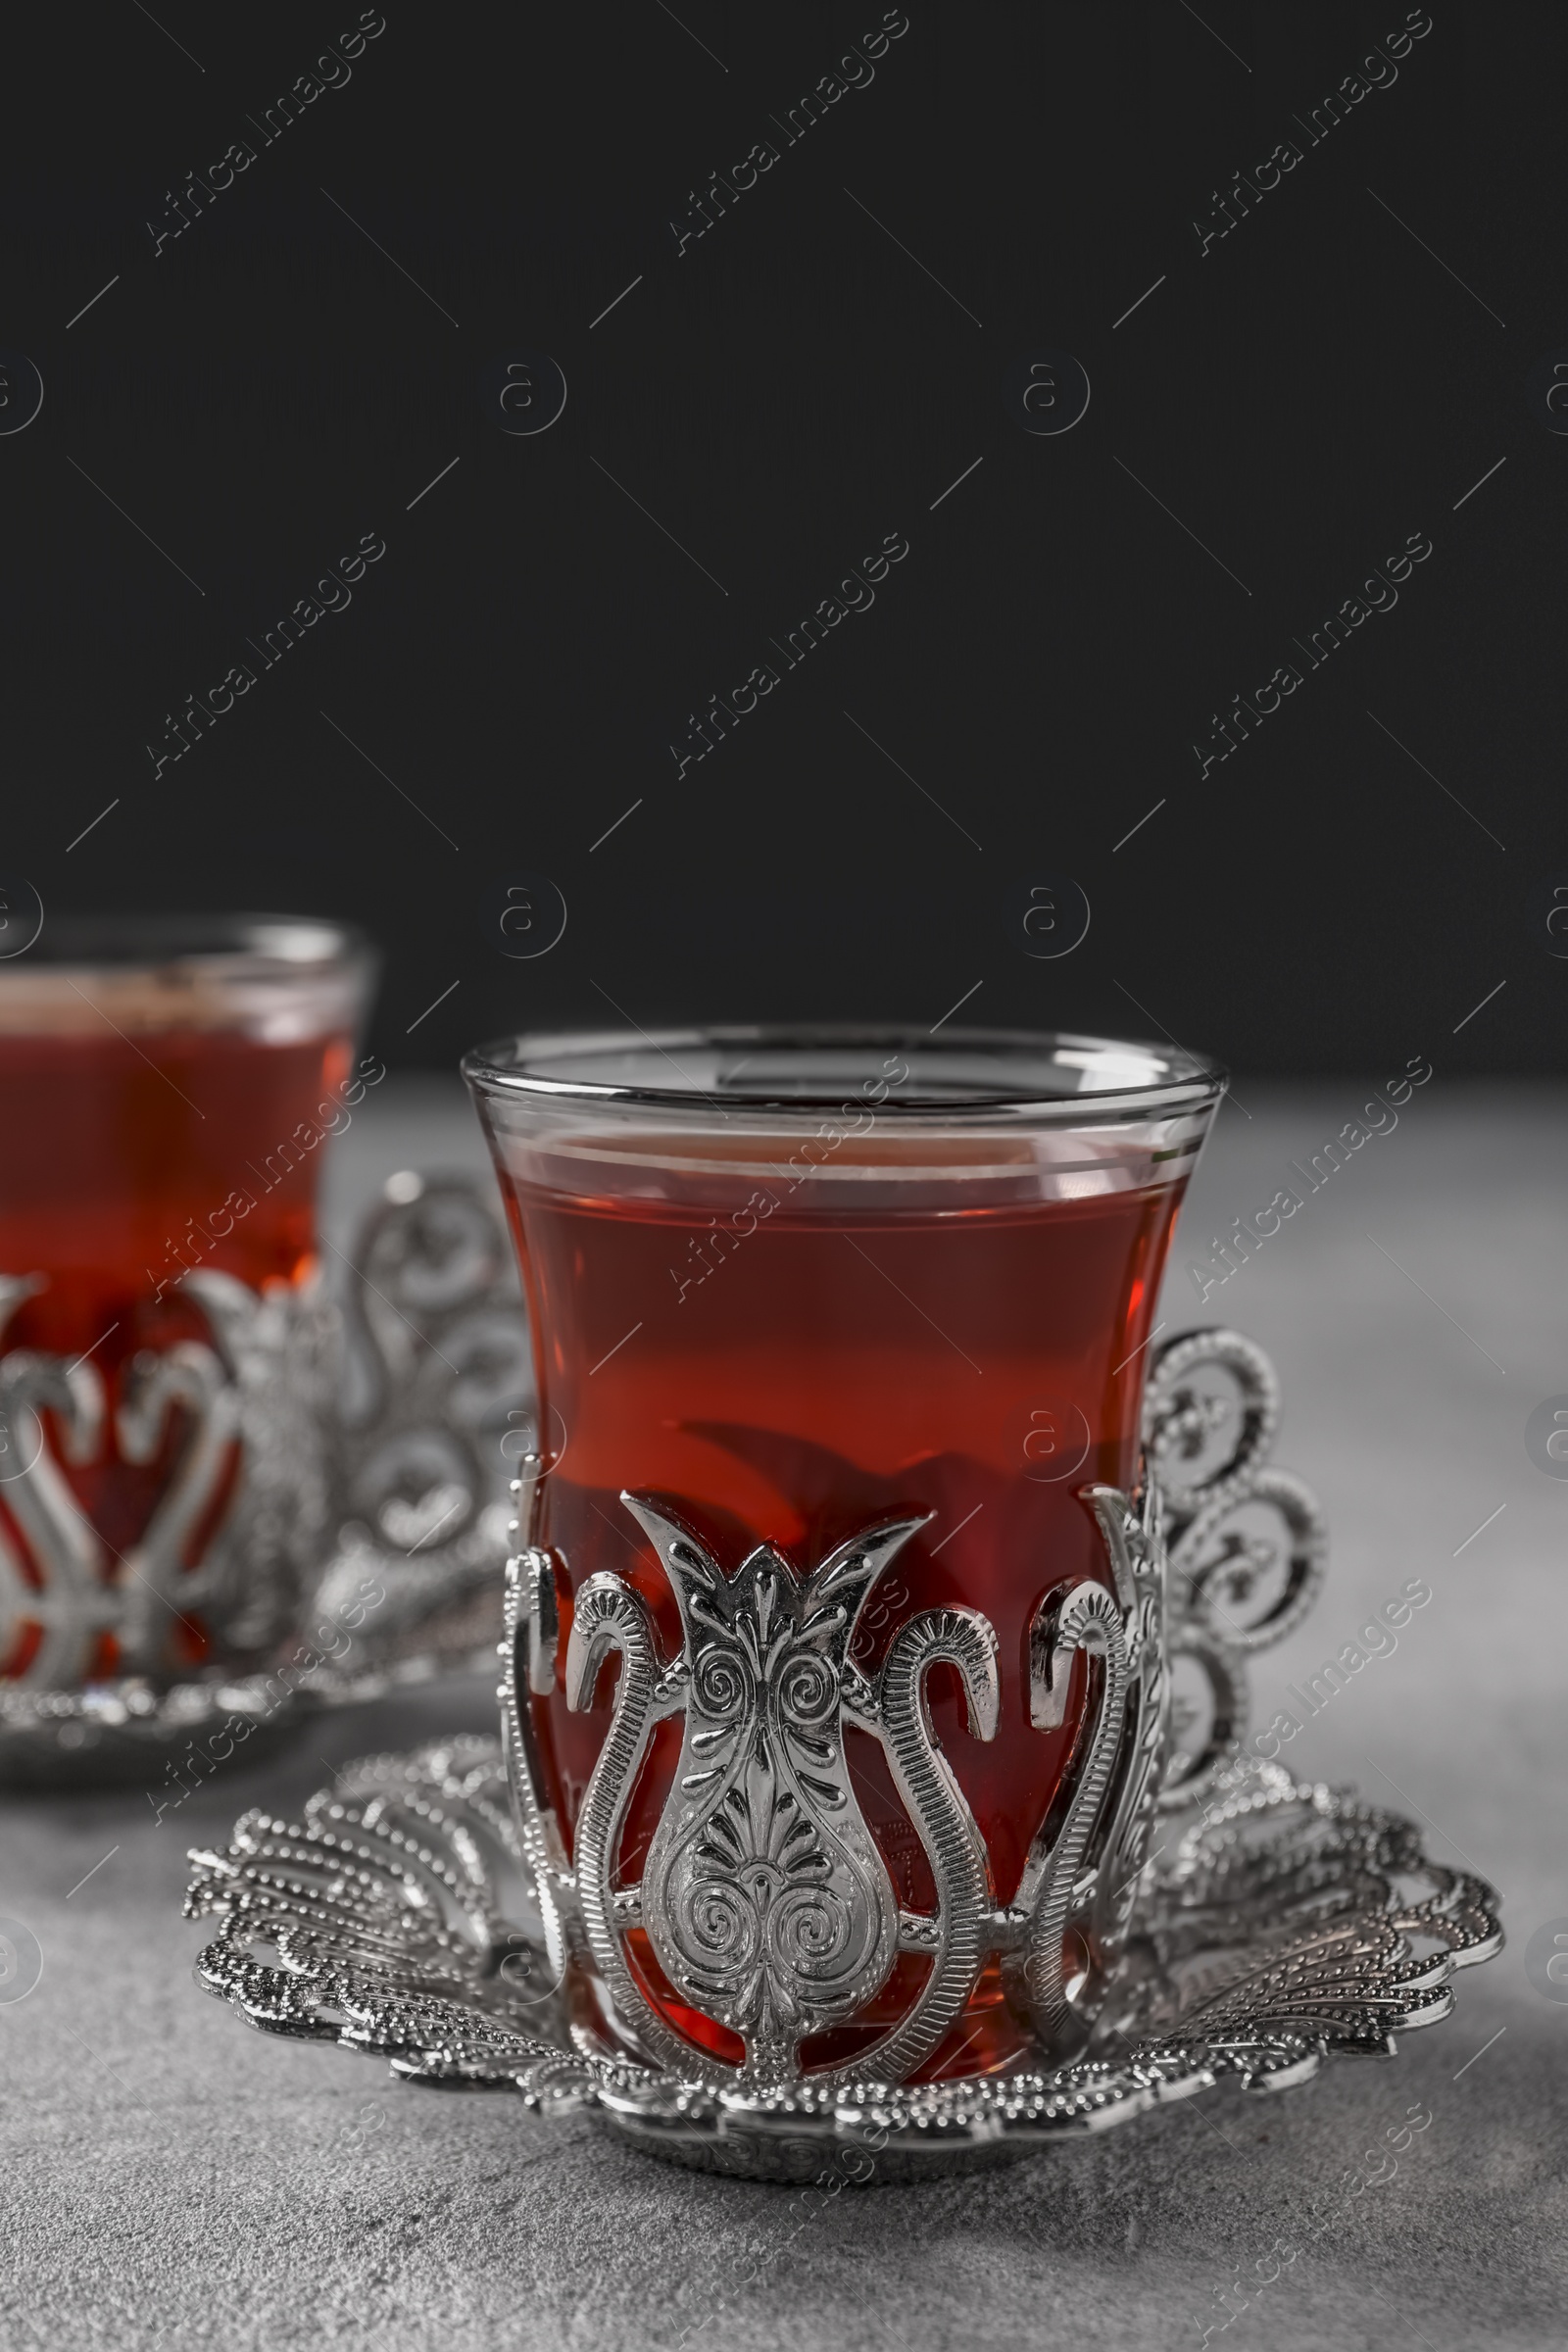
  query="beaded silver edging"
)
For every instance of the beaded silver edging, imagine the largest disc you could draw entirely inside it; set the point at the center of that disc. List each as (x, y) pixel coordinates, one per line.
(1286, 1923)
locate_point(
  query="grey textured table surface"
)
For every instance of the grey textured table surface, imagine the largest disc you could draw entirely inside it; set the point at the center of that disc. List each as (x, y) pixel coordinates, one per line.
(171, 2179)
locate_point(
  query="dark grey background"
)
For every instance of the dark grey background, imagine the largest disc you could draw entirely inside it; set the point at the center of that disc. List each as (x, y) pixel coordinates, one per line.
(792, 387)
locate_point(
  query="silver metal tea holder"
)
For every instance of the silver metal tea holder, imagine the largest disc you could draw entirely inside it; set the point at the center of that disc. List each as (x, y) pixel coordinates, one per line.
(423, 1909)
(377, 1422)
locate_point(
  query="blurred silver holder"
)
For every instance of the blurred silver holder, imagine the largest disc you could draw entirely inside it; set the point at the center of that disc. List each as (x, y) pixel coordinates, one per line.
(426, 1908)
(359, 1544)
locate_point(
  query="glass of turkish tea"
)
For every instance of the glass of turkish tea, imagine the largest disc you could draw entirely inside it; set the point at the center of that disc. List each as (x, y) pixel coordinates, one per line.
(837, 1334)
(166, 1086)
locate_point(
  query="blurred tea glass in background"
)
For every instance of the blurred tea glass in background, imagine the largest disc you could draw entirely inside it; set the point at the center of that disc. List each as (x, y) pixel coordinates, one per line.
(166, 1086)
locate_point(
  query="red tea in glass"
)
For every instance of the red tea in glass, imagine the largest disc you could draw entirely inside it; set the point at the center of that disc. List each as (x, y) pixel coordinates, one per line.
(790, 1287)
(165, 1091)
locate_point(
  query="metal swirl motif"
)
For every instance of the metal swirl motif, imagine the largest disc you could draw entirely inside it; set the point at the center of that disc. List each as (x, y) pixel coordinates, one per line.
(73, 1604)
(764, 1898)
(79, 1598)
(214, 1397)
(1221, 1570)
(159, 1589)
(1087, 1619)
(763, 1895)
(611, 1617)
(306, 1452)
(935, 1804)
(1134, 1547)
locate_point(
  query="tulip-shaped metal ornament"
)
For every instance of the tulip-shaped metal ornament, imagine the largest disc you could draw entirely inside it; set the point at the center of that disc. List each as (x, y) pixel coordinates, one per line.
(763, 1896)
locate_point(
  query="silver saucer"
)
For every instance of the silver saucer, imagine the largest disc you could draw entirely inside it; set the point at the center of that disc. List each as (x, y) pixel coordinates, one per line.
(1279, 1925)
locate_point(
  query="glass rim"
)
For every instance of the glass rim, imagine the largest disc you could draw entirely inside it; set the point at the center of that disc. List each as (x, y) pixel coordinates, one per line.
(503, 1070)
(249, 946)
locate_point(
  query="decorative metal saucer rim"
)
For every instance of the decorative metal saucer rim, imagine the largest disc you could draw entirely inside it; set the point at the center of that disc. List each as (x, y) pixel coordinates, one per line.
(1257, 1956)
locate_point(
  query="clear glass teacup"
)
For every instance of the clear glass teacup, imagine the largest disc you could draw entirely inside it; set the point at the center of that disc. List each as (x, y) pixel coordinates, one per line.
(168, 1086)
(836, 1692)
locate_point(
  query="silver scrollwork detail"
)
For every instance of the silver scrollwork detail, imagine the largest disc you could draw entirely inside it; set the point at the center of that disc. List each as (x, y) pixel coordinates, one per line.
(335, 1516)
(763, 1895)
(1080, 1879)
(766, 1902)
(1248, 1542)
(240, 1401)
(426, 1434)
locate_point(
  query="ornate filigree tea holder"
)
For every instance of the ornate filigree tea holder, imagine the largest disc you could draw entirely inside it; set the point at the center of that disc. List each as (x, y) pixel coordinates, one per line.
(425, 1909)
(357, 1455)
